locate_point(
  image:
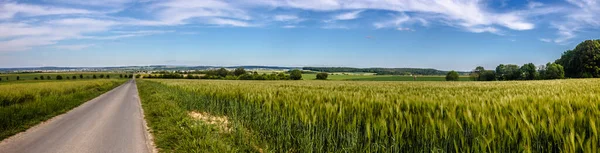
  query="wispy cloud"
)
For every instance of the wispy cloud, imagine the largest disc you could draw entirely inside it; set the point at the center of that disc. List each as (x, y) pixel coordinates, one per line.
(73, 47)
(9, 10)
(348, 15)
(583, 14)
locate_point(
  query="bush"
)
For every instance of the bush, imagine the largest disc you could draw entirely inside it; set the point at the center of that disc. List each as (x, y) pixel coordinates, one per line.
(296, 74)
(94, 76)
(452, 76)
(322, 76)
(58, 77)
(74, 77)
(48, 77)
(18, 78)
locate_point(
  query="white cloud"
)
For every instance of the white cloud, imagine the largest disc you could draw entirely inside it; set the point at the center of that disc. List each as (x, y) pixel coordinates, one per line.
(533, 4)
(228, 22)
(286, 18)
(8, 10)
(546, 40)
(102, 3)
(74, 47)
(289, 26)
(348, 15)
(177, 12)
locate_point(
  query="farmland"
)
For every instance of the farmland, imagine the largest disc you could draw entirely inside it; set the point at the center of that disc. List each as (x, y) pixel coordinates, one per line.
(26, 103)
(32, 76)
(372, 77)
(368, 116)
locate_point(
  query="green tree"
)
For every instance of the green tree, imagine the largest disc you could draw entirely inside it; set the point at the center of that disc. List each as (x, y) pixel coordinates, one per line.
(0, 79)
(529, 71)
(36, 78)
(583, 61)
(108, 76)
(68, 78)
(81, 76)
(476, 74)
(120, 75)
(487, 75)
(42, 77)
(296, 74)
(18, 78)
(48, 78)
(58, 77)
(512, 72)
(452, 76)
(239, 71)
(101, 76)
(322, 76)
(554, 71)
(94, 76)
(222, 72)
(74, 77)
(501, 72)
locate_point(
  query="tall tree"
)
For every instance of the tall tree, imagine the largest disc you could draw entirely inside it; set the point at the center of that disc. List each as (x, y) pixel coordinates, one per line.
(529, 71)
(222, 72)
(501, 72)
(583, 61)
(512, 72)
(239, 71)
(554, 71)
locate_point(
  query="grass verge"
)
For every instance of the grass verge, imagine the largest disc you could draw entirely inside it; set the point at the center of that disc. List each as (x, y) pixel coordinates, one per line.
(168, 113)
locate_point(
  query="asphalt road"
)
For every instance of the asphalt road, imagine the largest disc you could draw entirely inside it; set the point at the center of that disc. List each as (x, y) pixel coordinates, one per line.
(112, 122)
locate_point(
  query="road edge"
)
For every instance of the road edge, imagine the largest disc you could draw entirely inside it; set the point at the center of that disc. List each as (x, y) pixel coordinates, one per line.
(148, 136)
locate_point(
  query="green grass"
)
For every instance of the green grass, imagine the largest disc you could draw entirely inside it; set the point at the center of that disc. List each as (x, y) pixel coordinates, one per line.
(27, 103)
(382, 78)
(166, 111)
(31, 76)
(370, 116)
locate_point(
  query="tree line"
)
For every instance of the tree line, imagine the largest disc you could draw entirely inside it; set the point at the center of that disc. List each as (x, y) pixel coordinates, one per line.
(224, 74)
(581, 62)
(73, 77)
(379, 71)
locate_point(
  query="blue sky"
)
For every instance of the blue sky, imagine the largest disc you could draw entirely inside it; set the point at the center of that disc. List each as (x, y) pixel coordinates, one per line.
(442, 34)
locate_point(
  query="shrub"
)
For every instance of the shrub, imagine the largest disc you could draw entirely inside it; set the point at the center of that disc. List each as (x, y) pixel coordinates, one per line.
(58, 77)
(452, 76)
(322, 76)
(296, 74)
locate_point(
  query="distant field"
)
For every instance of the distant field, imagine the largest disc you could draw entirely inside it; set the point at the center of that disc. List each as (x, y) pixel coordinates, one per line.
(382, 78)
(26, 103)
(32, 76)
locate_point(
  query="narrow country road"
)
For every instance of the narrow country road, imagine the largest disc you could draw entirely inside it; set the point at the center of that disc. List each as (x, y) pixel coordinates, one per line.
(112, 122)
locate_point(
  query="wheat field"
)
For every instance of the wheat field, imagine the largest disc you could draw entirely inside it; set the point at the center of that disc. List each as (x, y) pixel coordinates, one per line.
(355, 116)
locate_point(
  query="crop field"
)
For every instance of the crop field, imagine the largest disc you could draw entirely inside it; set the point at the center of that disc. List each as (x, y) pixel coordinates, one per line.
(26, 103)
(32, 76)
(369, 116)
(383, 77)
